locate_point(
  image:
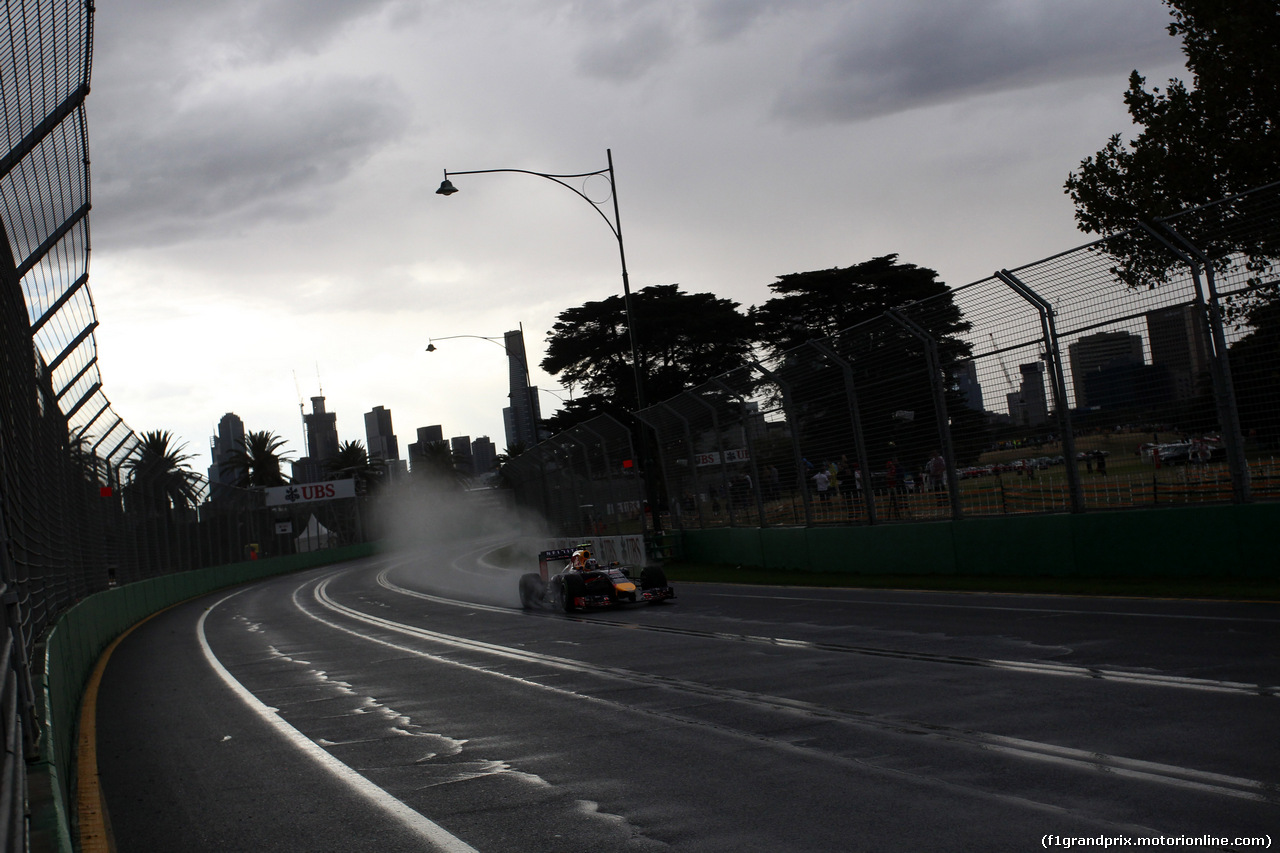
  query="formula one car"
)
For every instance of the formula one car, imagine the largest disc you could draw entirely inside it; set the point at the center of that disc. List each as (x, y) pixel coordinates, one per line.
(590, 584)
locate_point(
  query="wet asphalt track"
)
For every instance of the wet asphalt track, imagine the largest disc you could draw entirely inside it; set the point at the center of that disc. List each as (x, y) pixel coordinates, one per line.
(436, 716)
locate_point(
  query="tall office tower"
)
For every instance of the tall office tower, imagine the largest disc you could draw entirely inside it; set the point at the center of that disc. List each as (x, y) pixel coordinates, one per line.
(230, 438)
(1180, 342)
(433, 434)
(522, 416)
(1094, 353)
(381, 438)
(966, 379)
(461, 446)
(484, 455)
(1030, 406)
(322, 433)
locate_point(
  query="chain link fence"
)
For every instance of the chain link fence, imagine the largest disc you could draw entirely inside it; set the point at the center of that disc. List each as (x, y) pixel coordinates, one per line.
(1140, 370)
(74, 518)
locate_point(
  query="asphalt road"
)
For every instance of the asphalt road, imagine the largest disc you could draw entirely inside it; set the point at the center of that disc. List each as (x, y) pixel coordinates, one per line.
(407, 704)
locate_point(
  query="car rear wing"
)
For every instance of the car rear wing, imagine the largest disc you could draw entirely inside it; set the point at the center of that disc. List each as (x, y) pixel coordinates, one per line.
(545, 557)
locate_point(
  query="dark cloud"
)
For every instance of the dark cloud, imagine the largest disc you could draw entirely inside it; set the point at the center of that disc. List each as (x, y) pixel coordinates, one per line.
(237, 156)
(921, 53)
(634, 47)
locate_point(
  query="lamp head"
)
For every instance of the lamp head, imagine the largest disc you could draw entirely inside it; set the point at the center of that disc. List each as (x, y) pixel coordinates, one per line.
(431, 347)
(446, 188)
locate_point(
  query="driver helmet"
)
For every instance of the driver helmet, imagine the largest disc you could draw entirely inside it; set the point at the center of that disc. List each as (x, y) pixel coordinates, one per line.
(590, 565)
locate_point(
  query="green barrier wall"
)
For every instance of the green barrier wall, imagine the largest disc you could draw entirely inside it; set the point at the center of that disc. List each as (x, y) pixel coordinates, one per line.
(79, 638)
(1213, 541)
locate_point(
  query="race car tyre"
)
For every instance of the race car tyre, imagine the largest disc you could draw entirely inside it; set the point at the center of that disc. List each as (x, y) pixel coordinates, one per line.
(652, 577)
(531, 591)
(571, 587)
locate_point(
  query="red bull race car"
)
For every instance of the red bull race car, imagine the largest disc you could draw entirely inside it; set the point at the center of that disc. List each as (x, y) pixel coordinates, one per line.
(583, 583)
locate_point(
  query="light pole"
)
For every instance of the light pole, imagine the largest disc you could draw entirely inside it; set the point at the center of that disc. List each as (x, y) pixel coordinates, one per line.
(615, 225)
(530, 399)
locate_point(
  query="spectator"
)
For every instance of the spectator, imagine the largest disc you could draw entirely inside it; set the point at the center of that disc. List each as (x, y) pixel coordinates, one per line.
(822, 481)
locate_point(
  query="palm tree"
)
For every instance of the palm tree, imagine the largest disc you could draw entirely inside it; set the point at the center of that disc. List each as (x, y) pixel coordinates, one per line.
(257, 461)
(159, 477)
(516, 448)
(434, 460)
(352, 463)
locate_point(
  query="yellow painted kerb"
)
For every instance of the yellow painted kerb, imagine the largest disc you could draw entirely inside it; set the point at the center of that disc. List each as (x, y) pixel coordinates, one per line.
(94, 825)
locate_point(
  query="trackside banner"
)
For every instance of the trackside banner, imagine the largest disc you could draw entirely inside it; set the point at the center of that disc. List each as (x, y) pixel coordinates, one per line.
(303, 492)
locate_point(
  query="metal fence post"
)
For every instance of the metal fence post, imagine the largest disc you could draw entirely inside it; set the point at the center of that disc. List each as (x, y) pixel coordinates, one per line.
(939, 404)
(859, 440)
(788, 408)
(715, 429)
(1053, 358)
(1219, 364)
(751, 454)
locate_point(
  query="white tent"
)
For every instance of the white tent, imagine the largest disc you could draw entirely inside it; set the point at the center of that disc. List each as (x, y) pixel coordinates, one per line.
(315, 537)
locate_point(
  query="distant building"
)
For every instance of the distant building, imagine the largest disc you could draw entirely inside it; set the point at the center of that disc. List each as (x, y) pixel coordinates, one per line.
(379, 435)
(322, 432)
(462, 459)
(522, 416)
(1123, 385)
(484, 455)
(966, 379)
(1180, 342)
(1029, 406)
(426, 435)
(230, 438)
(322, 444)
(1094, 353)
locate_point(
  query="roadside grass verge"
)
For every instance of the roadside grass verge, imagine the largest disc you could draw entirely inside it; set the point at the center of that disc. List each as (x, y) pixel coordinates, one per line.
(1251, 589)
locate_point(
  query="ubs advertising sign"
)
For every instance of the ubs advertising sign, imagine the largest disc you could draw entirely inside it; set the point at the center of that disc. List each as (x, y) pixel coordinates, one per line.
(306, 492)
(713, 458)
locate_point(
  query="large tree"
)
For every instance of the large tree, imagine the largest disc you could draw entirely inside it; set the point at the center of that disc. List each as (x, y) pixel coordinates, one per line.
(815, 305)
(257, 460)
(683, 339)
(436, 462)
(1197, 144)
(159, 477)
(845, 308)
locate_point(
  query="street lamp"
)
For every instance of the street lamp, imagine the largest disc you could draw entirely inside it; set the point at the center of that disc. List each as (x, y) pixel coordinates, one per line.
(531, 400)
(615, 225)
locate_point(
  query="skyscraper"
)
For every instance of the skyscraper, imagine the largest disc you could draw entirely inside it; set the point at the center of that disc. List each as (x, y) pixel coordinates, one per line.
(1097, 352)
(484, 455)
(380, 436)
(522, 416)
(462, 460)
(1180, 342)
(1029, 406)
(230, 437)
(966, 379)
(433, 434)
(322, 443)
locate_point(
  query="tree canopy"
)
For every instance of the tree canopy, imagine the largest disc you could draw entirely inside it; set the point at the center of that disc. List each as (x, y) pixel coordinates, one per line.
(814, 305)
(683, 339)
(159, 477)
(257, 460)
(1218, 137)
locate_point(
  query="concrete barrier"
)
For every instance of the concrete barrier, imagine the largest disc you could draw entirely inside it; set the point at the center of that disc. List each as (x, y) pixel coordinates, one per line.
(1229, 541)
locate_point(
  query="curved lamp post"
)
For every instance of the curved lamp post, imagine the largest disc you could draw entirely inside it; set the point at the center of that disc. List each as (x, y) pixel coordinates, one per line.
(531, 400)
(615, 225)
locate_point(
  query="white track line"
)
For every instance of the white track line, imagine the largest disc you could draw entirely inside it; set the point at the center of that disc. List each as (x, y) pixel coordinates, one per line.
(430, 831)
(1165, 774)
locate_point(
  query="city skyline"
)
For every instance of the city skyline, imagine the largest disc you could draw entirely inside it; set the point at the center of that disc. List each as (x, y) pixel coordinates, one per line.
(263, 175)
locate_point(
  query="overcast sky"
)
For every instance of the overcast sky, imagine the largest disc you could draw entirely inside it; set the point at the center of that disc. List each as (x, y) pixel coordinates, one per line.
(264, 175)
